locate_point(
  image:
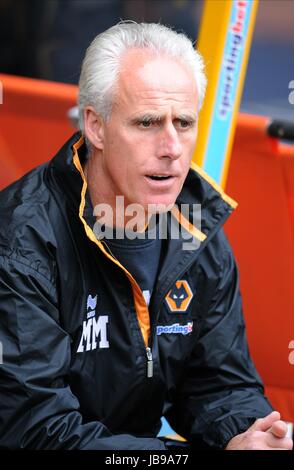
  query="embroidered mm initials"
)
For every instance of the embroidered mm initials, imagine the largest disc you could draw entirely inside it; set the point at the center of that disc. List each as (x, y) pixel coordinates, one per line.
(92, 330)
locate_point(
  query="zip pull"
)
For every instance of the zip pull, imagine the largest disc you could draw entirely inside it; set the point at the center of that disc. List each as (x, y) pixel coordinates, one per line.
(149, 363)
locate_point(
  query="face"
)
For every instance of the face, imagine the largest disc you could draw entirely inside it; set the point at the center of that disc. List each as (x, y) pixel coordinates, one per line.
(147, 144)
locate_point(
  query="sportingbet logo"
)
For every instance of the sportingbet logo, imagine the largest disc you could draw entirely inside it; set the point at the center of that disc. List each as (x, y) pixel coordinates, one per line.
(94, 330)
(176, 328)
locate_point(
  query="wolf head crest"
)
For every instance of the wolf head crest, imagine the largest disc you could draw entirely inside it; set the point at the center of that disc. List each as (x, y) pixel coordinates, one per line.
(179, 297)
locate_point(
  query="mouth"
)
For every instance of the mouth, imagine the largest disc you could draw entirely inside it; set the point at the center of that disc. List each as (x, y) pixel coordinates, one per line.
(159, 177)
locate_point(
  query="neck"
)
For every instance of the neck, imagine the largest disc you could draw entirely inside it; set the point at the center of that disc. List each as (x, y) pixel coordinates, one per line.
(112, 209)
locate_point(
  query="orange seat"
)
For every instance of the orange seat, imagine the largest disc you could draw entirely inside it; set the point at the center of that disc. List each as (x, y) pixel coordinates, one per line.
(261, 179)
(287, 159)
(33, 123)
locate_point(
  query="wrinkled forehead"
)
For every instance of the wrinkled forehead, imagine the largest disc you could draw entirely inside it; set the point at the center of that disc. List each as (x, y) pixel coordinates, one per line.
(144, 74)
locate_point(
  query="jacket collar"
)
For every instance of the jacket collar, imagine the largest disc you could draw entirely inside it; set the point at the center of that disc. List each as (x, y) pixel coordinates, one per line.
(64, 172)
(198, 189)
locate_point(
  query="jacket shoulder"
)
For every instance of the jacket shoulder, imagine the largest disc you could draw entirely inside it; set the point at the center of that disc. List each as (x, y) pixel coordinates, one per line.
(26, 232)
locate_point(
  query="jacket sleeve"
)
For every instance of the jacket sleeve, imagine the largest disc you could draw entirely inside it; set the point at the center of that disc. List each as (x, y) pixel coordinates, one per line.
(220, 394)
(37, 408)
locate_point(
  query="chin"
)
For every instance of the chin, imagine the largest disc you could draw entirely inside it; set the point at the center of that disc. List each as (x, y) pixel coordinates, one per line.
(159, 205)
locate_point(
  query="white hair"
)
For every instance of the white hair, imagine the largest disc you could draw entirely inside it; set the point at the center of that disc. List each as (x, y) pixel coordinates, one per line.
(101, 65)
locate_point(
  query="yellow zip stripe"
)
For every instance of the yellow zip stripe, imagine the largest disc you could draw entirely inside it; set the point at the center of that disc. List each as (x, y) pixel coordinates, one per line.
(140, 304)
(214, 184)
(195, 232)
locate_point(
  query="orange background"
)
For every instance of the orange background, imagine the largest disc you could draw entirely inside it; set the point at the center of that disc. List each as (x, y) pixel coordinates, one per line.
(34, 124)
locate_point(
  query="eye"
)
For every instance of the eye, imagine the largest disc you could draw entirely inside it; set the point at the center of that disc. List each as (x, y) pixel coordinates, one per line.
(145, 123)
(184, 124)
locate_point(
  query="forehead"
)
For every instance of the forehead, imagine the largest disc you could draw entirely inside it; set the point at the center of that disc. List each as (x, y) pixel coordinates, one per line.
(146, 79)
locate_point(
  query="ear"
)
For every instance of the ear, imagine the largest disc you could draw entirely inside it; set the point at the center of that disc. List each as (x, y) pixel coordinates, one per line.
(94, 127)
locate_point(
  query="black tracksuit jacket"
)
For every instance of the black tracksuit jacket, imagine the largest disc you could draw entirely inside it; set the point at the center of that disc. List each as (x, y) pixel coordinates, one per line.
(79, 343)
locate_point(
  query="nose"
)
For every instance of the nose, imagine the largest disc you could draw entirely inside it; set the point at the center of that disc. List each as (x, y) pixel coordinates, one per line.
(169, 143)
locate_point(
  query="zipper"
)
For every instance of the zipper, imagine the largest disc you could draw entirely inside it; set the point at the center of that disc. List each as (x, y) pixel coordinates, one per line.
(149, 363)
(149, 372)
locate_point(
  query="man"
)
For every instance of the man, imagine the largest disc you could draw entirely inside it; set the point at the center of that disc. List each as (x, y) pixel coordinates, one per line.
(102, 335)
